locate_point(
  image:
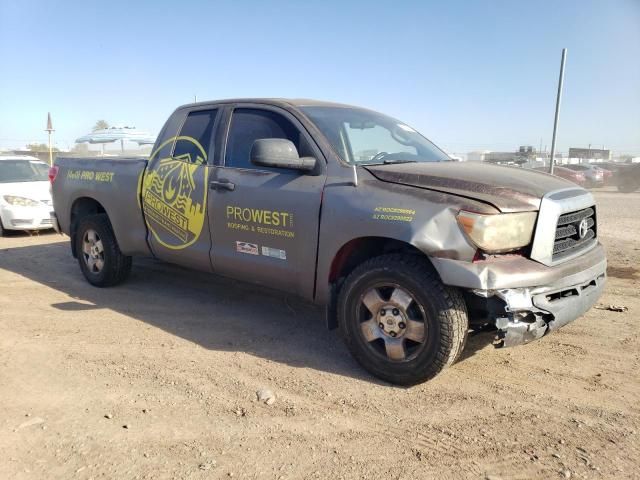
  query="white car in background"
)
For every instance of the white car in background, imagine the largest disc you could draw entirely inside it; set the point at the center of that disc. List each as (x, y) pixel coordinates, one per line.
(25, 195)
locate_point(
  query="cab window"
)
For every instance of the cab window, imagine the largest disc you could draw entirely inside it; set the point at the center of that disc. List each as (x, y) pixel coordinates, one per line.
(166, 139)
(193, 144)
(249, 125)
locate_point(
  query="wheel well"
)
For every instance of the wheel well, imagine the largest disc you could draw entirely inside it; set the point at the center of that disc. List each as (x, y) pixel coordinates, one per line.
(352, 254)
(81, 208)
(356, 251)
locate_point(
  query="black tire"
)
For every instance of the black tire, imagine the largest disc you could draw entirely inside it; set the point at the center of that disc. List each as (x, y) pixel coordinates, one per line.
(115, 266)
(443, 309)
(3, 232)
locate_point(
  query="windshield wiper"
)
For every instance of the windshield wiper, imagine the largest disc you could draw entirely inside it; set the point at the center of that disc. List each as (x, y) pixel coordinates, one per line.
(388, 162)
(391, 162)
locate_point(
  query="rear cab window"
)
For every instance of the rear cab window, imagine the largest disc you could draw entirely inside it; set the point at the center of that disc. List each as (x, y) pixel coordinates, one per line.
(194, 143)
(197, 127)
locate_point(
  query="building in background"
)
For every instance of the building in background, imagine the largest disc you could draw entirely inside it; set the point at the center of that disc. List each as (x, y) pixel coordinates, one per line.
(525, 156)
(477, 156)
(503, 158)
(587, 155)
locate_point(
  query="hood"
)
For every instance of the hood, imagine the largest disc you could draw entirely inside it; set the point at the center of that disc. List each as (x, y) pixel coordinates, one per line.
(34, 190)
(509, 189)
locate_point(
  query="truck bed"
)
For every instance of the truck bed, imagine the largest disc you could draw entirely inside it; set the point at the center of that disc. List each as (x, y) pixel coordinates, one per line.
(110, 185)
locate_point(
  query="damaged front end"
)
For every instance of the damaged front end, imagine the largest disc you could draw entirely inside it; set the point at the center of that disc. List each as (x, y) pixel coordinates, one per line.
(555, 280)
(522, 315)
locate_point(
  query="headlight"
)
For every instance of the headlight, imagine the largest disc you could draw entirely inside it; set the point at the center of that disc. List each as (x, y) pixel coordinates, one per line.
(20, 201)
(498, 233)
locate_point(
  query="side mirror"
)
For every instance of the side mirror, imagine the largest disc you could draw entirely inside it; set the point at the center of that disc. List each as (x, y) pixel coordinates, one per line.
(279, 153)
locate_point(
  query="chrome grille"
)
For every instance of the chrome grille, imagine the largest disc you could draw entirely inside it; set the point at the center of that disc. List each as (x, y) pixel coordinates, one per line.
(574, 231)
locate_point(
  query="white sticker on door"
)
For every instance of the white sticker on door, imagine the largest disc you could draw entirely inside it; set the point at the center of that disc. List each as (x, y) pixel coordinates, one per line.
(274, 253)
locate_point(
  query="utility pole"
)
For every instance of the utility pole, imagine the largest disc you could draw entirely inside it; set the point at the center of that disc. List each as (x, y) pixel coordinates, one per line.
(555, 120)
(50, 130)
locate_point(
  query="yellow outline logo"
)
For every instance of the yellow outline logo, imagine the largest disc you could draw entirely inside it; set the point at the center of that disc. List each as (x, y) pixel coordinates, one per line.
(174, 195)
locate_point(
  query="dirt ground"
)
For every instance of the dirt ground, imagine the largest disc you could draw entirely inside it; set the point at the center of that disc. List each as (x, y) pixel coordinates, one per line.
(157, 378)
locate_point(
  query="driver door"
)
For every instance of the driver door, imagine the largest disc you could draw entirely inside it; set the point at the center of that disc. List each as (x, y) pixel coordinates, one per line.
(264, 221)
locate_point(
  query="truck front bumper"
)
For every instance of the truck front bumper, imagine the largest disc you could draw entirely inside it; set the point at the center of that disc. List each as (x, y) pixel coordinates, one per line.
(537, 299)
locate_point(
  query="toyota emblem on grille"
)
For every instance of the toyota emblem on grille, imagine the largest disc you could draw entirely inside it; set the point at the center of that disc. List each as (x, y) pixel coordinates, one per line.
(583, 228)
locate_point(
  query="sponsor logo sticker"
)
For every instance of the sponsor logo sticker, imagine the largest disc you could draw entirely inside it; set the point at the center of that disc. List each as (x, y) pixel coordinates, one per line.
(244, 247)
(174, 193)
(258, 220)
(274, 253)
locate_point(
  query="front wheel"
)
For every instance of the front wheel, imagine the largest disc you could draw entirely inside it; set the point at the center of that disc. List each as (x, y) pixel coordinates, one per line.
(99, 255)
(400, 322)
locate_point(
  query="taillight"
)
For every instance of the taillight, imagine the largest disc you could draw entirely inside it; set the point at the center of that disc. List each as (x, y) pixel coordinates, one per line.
(53, 173)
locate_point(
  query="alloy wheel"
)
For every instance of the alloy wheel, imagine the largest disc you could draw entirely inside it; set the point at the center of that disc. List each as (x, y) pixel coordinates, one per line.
(93, 251)
(392, 322)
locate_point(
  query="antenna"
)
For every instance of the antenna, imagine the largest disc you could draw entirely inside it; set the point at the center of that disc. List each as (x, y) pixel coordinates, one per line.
(355, 175)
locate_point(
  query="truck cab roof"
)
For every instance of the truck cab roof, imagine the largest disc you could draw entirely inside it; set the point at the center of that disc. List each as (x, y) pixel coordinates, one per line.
(280, 102)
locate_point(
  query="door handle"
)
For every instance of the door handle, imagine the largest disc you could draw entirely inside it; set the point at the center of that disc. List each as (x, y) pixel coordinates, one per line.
(222, 185)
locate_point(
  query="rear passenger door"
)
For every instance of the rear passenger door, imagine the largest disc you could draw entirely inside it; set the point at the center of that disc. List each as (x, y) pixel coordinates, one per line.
(175, 190)
(264, 221)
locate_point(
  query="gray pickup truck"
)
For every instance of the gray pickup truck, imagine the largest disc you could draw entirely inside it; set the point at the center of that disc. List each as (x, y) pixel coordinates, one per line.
(348, 208)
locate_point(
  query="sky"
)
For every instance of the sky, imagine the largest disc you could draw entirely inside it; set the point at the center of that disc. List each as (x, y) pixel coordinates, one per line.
(469, 75)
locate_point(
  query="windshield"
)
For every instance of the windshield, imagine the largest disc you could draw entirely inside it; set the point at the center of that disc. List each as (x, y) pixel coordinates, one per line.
(23, 171)
(367, 138)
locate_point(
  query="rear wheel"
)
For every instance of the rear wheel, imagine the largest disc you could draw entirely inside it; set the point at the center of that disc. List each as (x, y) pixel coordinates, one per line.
(3, 232)
(399, 321)
(99, 255)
